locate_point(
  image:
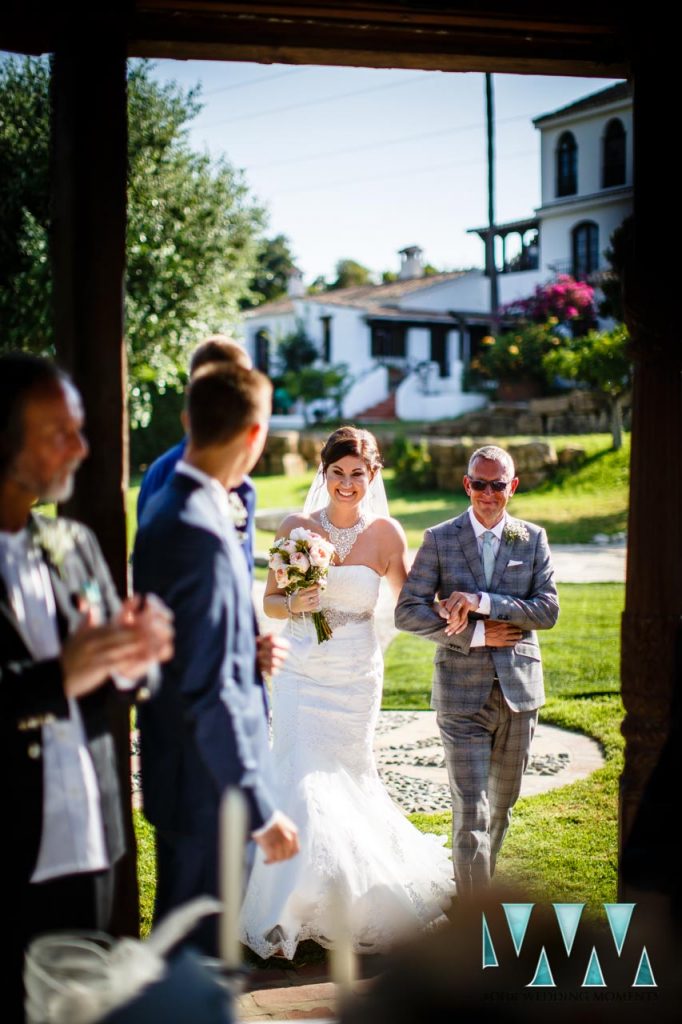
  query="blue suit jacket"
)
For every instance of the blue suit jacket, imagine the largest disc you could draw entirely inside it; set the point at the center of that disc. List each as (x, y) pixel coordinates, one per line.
(163, 468)
(206, 728)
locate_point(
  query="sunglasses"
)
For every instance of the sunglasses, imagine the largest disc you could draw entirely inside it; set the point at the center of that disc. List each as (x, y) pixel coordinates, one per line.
(494, 485)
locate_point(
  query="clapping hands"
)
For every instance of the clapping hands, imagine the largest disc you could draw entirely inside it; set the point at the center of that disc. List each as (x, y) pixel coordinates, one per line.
(140, 635)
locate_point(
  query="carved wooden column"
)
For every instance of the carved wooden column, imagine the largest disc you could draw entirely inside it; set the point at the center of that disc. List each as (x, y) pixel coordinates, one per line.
(651, 621)
(89, 127)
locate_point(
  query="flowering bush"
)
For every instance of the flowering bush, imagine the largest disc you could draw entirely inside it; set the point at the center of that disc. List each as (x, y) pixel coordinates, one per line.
(298, 562)
(564, 299)
(517, 354)
(602, 360)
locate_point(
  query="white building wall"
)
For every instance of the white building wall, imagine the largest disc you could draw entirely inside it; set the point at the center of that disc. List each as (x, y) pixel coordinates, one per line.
(588, 130)
(470, 291)
(445, 401)
(557, 227)
(369, 388)
(277, 326)
(454, 350)
(418, 345)
(349, 334)
(519, 285)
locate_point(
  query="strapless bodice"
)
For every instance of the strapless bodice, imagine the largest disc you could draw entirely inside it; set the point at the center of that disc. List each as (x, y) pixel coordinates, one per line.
(351, 588)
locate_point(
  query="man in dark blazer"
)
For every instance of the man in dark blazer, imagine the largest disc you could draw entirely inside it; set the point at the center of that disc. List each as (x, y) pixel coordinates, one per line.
(218, 348)
(63, 635)
(206, 729)
(495, 582)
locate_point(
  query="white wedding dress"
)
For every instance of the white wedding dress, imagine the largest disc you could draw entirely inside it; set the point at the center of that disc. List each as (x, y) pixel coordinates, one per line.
(355, 842)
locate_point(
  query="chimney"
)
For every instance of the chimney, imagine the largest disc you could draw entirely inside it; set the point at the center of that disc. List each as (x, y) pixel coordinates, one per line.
(295, 286)
(411, 263)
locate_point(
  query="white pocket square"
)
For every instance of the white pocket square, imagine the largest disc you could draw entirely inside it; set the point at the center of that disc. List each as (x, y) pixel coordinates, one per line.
(512, 563)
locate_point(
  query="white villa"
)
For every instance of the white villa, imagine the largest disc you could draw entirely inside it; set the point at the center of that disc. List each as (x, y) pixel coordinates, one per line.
(407, 343)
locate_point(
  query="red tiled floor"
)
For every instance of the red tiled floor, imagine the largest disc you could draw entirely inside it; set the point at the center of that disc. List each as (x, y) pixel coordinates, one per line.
(294, 995)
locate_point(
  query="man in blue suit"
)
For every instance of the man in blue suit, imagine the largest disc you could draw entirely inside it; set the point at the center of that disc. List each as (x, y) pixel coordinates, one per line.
(206, 730)
(216, 349)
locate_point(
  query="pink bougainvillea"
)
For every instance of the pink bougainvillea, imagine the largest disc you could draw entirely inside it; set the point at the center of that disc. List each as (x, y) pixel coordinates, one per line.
(563, 299)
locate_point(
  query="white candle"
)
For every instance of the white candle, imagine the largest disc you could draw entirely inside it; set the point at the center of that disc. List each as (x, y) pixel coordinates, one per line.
(233, 821)
(341, 955)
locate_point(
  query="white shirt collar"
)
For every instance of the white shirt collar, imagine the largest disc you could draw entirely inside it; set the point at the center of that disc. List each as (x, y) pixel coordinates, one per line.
(210, 484)
(480, 529)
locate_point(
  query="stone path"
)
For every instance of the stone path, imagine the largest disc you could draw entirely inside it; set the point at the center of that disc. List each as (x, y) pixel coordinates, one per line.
(411, 761)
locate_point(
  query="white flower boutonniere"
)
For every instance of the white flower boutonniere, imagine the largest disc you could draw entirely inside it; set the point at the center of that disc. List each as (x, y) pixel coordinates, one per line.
(238, 513)
(56, 539)
(515, 531)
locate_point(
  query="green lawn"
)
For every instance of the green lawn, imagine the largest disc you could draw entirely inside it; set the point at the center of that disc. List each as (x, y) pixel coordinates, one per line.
(573, 507)
(561, 845)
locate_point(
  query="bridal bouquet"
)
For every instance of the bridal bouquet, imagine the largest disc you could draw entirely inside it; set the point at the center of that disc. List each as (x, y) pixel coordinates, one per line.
(299, 561)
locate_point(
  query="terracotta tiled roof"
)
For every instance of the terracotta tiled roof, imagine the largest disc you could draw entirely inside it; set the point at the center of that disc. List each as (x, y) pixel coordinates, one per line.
(361, 296)
(282, 305)
(407, 313)
(620, 91)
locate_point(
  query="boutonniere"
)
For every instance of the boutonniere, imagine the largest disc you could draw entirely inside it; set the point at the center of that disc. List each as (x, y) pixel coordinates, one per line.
(57, 541)
(238, 512)
(515, 531)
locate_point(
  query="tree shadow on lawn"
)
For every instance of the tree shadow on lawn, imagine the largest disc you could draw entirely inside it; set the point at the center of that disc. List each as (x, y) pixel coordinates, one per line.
(593, 694)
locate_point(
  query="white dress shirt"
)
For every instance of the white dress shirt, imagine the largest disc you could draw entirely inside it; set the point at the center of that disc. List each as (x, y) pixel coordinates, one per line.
(72, 838)
(213, 487)
(478, 639)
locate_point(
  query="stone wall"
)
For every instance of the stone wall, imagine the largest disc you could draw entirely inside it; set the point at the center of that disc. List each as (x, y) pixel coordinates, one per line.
(577, 412)
(291, 453)
(534, 460)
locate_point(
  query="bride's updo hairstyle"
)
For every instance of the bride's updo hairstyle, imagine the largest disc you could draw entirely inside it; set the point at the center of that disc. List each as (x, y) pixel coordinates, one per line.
(351, 441)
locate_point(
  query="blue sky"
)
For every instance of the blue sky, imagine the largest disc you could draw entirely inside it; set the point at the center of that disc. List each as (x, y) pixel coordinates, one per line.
(359, 162)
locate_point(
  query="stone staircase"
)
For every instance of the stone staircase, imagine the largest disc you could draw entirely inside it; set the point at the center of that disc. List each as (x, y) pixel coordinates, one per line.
(384, 410)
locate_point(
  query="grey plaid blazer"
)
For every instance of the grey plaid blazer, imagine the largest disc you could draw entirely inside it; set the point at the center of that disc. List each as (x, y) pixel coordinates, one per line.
(522, 592)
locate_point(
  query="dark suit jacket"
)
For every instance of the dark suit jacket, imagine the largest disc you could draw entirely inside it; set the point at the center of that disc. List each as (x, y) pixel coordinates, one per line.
(522, 592)
(31, 693)
(163, 468)
(206, 728)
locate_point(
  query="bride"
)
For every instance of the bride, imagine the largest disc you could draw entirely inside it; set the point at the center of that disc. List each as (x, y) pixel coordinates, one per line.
(356, 845)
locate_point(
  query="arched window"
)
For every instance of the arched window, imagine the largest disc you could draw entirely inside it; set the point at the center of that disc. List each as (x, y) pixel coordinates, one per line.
(567, 165)
(613, 154)
(585, 249)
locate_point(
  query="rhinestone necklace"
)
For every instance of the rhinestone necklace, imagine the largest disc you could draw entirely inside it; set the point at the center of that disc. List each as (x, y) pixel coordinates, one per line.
(342, 539)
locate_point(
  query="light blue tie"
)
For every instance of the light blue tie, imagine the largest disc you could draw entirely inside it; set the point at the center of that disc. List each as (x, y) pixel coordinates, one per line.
(488, 556)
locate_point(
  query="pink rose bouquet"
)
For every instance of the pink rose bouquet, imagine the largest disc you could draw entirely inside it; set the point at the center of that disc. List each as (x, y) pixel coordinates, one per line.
(298, 562)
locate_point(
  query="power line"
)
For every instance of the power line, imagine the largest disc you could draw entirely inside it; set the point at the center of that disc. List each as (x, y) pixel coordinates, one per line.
(402, 174)
(379, 145)
(317, 102)
(255, 81)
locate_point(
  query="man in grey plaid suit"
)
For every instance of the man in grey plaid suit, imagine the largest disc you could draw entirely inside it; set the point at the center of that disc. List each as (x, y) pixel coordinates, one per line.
(480, 586)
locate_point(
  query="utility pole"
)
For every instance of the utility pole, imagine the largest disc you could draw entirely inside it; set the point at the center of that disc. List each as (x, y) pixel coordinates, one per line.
(490, 241)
